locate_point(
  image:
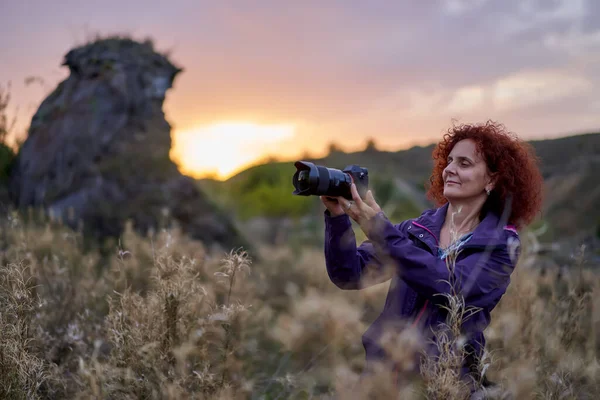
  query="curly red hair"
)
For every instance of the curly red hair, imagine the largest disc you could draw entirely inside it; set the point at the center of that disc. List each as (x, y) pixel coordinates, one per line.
(513, 163)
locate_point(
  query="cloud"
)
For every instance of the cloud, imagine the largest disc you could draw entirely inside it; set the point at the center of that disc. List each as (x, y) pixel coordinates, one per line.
(526, 89)
(573, 42)
(459, 7)
(544, 15)
(466, 99)
(348, 69)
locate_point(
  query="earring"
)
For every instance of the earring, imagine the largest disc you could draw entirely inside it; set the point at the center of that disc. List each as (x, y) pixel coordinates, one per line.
(488, 191)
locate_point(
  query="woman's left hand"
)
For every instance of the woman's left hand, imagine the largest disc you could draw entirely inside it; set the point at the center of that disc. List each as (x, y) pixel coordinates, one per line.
(360, 210)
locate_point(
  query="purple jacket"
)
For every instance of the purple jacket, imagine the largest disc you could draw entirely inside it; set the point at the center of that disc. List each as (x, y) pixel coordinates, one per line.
(482, 272)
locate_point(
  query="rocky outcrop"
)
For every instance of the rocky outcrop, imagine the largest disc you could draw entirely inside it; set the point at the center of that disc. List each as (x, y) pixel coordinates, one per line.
(98, 148)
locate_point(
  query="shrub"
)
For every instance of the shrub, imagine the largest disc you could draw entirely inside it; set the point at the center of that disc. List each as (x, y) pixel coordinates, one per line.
(164, 317)
(7, 154)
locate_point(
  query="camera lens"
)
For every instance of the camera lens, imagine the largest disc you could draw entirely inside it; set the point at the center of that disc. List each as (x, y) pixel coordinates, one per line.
(303, 180)
(317, 180)
(303, 176)
(311, 179)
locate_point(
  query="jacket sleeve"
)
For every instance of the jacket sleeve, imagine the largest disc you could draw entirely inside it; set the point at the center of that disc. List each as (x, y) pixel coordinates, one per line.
(350, 267)
(481, 277)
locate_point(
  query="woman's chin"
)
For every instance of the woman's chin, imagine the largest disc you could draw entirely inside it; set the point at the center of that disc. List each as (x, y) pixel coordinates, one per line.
(451, 194)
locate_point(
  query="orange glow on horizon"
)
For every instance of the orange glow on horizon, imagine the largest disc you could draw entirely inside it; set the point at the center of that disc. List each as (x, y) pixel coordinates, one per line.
(223, 149)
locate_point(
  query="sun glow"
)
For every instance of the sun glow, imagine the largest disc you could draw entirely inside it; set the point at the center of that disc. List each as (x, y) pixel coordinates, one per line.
(220, 150)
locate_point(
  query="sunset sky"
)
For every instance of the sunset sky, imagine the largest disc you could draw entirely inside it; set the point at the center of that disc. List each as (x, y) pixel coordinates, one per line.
(279, 78)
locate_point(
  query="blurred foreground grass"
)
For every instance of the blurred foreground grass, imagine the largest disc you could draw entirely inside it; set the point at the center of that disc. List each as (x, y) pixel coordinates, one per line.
(161, 317)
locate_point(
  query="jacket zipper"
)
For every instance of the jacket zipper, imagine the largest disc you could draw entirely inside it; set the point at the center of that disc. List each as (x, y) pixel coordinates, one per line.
(437, 242)
(422, 311)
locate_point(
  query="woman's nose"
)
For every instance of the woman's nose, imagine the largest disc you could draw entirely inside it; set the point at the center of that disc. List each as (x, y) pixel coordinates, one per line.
(449, 170)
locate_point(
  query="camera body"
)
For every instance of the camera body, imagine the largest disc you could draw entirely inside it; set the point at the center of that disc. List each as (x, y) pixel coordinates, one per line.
(317, 180)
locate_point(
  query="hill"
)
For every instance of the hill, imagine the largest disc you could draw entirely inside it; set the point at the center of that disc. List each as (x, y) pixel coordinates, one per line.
(570, 167)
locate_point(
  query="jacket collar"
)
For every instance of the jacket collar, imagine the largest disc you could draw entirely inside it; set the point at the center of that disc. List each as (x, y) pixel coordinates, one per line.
(488, 232)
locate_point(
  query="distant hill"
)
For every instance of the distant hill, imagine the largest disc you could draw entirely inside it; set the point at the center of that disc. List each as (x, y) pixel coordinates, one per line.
(570, 166)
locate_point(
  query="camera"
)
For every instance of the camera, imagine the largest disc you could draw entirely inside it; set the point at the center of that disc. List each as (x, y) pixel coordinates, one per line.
(317, 180)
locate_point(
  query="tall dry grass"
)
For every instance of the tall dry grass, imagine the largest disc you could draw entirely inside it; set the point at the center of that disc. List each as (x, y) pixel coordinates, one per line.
(162, 317)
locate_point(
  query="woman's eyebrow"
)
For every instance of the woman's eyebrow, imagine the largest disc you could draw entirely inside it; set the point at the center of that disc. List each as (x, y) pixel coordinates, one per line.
(463, 158)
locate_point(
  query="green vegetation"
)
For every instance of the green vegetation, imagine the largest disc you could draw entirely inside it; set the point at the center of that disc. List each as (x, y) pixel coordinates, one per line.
(384, 188)
(570, 166)
(7, 154)
(7, 157)
(265, 190)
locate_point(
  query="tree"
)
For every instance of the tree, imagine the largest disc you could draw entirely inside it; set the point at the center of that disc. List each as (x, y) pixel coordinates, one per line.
(334, 148)
(371, 145)
(5, 125)
(7, 155)
(306, 155)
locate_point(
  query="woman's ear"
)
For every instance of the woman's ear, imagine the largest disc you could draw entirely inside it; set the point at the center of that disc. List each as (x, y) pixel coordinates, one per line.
(491, 181)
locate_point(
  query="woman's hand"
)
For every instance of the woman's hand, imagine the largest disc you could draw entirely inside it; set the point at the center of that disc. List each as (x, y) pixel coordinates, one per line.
(334, 207)
(360, 210)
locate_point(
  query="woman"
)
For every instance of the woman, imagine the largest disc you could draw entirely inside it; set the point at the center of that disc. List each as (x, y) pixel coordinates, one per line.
(487, 186)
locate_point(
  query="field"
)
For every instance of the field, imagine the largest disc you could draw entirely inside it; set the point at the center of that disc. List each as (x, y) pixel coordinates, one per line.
(160, 317)
(163, 316)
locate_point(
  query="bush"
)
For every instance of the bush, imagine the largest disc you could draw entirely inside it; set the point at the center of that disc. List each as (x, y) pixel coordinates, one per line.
(7, 154)
(7, 158)
(266, 191)
(163, 317)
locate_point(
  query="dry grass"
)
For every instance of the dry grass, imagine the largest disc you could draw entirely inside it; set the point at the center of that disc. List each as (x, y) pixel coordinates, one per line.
(162, 318)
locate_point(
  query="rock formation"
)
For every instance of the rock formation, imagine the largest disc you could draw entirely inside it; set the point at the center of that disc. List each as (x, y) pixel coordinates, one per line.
(97, 151)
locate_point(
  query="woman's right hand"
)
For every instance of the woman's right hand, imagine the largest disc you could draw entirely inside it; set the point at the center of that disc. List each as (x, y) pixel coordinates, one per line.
(334, 207)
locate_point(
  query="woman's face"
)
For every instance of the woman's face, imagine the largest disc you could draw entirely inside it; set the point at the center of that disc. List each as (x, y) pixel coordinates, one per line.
(466, 173)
